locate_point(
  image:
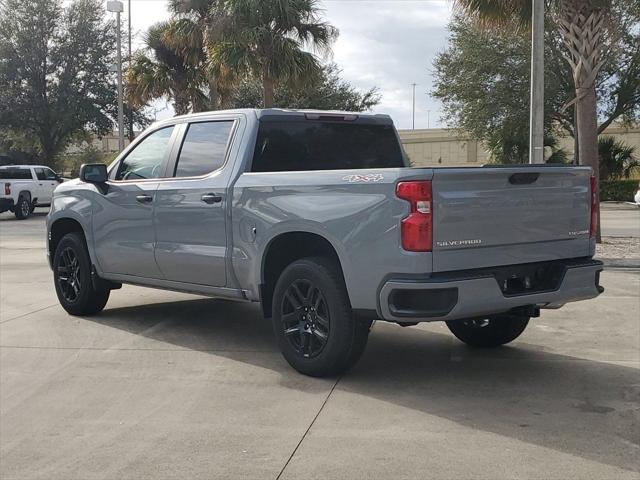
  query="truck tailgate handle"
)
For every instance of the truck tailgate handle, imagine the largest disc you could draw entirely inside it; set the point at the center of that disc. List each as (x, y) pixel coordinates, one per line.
(525, 178)
(211, 198)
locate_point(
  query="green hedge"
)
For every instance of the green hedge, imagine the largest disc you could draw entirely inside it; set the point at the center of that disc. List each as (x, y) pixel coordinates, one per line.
(618, 190)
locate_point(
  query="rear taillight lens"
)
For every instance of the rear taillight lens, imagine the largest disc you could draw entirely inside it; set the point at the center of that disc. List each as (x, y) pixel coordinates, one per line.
(417, 229)
(595, 207)
(7, 189)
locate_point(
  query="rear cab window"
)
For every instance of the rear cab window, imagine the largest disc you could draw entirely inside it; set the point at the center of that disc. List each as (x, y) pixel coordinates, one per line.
(15, 174)
(301, 145)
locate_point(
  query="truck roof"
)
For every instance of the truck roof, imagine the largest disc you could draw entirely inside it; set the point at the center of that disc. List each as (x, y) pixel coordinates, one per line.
(283, 112)
(23, 166)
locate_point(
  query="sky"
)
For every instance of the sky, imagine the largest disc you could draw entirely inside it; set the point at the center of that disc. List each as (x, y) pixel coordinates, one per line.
(388, 44)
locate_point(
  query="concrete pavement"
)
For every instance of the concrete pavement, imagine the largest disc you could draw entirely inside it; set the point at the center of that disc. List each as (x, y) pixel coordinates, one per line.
(165, 385)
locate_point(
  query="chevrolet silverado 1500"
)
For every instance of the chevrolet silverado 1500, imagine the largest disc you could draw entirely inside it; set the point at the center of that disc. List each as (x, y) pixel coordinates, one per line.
(317, 216)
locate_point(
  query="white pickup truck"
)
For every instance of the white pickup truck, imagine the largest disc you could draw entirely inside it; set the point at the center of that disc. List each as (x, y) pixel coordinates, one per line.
(25, 187)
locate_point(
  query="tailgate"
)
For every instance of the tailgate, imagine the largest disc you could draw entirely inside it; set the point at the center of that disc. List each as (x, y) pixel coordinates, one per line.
(495, 216)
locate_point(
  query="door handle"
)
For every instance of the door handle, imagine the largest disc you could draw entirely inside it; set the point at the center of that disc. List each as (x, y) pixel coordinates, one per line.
(211, 198)
(144, 198)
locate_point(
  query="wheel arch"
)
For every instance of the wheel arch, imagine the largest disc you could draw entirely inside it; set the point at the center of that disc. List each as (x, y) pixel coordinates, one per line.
(25, 193)
(59, 228)
(284, 249)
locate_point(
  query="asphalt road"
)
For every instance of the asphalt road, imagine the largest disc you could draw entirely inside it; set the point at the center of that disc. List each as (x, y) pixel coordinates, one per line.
(163, 385)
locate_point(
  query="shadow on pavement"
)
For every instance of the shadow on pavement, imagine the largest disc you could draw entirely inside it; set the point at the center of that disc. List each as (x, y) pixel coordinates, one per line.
(581, 407)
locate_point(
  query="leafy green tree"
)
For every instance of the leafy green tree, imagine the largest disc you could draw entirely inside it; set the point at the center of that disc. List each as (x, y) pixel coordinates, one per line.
(482, 79)
(267, 40)
(326, 92)
(55, 77)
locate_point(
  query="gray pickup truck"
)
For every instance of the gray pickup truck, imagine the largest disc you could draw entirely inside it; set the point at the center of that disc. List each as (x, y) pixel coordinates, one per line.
(317, 216)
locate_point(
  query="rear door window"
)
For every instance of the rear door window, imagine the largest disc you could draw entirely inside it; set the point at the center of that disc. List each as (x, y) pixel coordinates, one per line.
(204, 148)
(319, 145)
(15, 174)
(40, 173)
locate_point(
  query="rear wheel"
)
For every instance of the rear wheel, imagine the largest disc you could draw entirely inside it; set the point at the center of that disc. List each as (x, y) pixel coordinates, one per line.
(72, 276)
(489, 332)
(312, 319)
(22, 209)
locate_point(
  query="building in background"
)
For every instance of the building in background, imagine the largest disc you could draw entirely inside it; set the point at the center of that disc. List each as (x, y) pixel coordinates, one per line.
(448, 148)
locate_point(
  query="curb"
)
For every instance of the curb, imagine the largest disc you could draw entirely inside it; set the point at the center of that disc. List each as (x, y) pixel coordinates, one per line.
(633, 263)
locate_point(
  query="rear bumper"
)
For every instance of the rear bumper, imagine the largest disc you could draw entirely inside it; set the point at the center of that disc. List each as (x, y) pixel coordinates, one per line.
(6, 204)
(477, 293)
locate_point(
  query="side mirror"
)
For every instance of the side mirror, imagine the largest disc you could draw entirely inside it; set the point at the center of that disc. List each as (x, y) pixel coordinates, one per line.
(59, 178)
(94, 173)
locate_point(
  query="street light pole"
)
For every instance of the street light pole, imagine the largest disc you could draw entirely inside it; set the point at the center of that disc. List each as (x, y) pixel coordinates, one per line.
(413, 124)
(116, 6)
(130, 119)
(536, 113)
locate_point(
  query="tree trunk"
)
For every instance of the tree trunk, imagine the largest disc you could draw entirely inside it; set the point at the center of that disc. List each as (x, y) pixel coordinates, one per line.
(214, 96)
(267, 90)
(582, 29)
(587, 123)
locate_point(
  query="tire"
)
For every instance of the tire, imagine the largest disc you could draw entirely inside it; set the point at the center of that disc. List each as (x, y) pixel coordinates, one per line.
(489, 332)
(72, 277)
(22, 209)
(326, 339)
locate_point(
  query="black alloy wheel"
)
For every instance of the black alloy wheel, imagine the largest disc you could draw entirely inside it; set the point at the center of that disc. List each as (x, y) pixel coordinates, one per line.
(313, 321)
(77, 292)
(69, 275)
(305, 318)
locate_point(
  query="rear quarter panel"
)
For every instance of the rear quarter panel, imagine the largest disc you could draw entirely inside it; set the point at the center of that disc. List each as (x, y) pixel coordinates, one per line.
(356, 211)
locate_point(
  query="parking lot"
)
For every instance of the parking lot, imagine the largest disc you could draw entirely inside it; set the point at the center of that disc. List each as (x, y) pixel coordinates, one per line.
(165, 385)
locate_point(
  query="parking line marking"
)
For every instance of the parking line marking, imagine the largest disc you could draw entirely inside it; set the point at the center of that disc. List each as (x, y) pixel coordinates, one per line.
(26, 314)
(309, 427)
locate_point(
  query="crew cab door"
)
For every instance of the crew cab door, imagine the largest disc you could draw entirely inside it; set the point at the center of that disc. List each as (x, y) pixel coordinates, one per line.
(191, 203)
(123, 223)
(47, 181)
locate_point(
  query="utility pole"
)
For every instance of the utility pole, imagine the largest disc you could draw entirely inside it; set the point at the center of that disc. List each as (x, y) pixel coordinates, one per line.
(116, 6)
(130, 119)
(413, 124)
(536, 107)
(428, 118)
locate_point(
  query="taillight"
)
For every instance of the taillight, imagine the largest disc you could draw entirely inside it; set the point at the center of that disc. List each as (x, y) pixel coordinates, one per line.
(417, 229)
(7, 189)
(595, 207)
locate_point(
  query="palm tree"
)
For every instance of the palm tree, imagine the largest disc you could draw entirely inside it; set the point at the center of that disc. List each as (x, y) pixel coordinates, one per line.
(186, 35)
(267, 38)
(617, 160)
(159, 71)
(582, 26)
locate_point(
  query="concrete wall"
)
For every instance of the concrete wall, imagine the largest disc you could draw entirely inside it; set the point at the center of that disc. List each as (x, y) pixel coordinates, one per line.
(445, 147)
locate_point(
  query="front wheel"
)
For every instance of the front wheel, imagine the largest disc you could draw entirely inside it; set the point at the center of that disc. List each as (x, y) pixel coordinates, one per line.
(72, 276)
(312, 319)
(489, 332)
